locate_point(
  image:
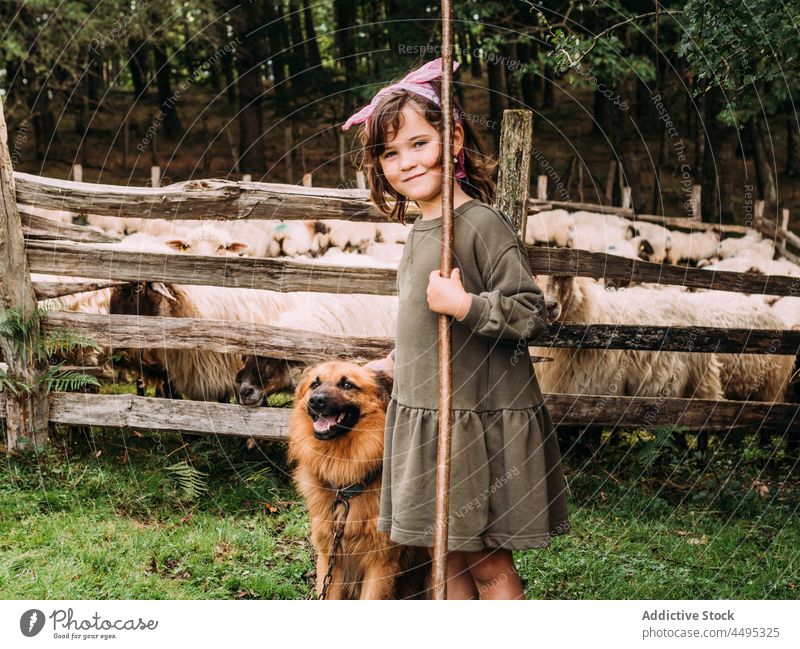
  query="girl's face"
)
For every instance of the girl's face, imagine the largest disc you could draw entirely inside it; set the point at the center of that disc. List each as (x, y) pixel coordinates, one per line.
(409, 160)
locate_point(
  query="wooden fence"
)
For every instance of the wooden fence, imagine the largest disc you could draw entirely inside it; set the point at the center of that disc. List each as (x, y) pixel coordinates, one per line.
(76, 253)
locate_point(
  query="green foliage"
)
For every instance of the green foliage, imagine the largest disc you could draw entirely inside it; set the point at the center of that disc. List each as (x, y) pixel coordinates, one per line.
(190, 481)
(27, 340)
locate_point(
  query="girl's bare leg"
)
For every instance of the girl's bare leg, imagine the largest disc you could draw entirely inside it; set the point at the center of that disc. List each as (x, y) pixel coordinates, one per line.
(460, 584)
(494, 573)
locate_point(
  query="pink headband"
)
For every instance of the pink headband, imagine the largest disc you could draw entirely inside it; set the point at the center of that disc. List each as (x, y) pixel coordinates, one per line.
(416, 81)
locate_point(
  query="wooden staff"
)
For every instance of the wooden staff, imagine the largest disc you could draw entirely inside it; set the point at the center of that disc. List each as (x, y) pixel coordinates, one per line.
(445, 367)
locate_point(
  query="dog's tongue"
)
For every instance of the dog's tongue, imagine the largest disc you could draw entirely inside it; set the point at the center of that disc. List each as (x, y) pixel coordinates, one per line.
(324, 423)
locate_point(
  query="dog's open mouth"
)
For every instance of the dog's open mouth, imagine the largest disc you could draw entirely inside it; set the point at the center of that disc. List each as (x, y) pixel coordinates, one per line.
(330, 425)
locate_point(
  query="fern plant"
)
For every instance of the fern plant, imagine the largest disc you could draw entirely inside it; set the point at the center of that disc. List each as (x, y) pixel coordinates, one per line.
(190, 481)
(27, 339)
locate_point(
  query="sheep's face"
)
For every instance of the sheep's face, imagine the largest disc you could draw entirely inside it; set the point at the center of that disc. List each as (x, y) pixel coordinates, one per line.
(141, 298)
(261, 377)
(645, 250)
(561, 295)
(209, 248)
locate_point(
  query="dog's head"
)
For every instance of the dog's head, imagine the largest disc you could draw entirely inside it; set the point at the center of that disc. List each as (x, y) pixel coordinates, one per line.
(338, 399)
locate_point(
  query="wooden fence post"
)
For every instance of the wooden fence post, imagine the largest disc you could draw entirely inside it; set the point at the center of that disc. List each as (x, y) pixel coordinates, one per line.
(612, 169)
(541, 188)
(758, 215)
(514, 172)
(626, 198)
(26, 413)
(697, 202)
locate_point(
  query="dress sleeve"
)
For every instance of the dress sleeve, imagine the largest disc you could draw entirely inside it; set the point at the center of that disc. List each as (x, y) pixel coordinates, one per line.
(514, 309)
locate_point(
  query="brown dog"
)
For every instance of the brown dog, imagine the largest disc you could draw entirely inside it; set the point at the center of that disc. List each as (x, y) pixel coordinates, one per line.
(336, 439)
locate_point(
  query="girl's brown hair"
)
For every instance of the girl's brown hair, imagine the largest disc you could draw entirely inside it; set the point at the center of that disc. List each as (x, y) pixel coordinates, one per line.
(386, 118)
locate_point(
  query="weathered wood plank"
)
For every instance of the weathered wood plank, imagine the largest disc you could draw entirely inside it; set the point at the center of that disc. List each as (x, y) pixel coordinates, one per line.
(88, 260)
(199, 199)
(51, 290)
(145, 413)
(569, 261)
(41, 227)
(672, 339)
(80, 259)
(219, 336)
(267, 340)
(695, 414)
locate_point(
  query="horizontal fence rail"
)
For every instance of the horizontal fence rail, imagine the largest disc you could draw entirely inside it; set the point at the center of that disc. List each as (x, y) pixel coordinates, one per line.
(92, 260)
(225, 336)
(217, 199)
(147, 413)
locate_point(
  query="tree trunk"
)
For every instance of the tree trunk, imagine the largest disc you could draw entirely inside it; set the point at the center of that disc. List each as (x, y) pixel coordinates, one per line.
(699, 139)
(548, 100)
(765, 177)
(792, 145)
(297, 58)
(719, 162)
(527, 54)
(314, 58)
(344, 17)
(513, 86)
(461, 48)
(249, 55)
(599, 112)
(626, 143)
(94, 79)
(167, 102)
(277, 47)
(497, 97)
(137, 64)
(475, 66)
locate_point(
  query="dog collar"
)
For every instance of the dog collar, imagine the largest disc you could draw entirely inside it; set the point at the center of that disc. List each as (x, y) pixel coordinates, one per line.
(347, 492)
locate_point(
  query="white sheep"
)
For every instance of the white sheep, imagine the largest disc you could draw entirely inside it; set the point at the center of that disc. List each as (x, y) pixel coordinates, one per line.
(693, 246)
(259, 235)
(301, 237)
(659, 238)
(729, 246)
(622, 372)
(788, 310)
(207, 375)
(385, 252)
(747, 264)
(338, 257)
(551, 226)
(351, 235)
(393, 232)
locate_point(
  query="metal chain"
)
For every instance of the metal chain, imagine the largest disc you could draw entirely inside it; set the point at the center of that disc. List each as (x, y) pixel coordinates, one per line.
(338, 533)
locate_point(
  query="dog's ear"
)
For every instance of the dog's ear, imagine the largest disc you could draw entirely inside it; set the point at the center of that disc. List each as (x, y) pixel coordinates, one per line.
(303, 380)
(384, 383)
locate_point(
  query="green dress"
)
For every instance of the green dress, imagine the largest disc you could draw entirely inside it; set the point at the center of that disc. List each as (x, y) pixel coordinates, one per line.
(507, 487)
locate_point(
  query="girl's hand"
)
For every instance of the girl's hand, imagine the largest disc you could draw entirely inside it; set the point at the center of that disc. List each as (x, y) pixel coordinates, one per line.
(447, 295)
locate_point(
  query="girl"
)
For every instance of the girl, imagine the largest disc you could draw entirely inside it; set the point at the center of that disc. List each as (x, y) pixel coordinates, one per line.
(507, 488)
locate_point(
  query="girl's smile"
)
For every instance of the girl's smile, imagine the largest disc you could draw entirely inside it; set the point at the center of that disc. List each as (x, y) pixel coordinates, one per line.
(410, 161)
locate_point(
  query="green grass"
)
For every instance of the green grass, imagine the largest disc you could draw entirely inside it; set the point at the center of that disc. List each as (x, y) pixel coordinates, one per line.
(103, 516)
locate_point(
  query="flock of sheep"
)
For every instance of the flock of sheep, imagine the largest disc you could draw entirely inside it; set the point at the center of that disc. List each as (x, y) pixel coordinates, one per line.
(205, 375)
